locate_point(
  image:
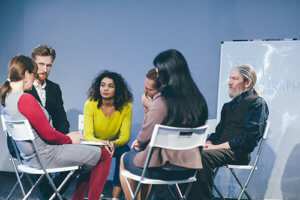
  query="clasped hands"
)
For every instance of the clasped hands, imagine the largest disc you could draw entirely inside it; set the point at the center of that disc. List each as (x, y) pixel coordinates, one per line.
(209, 145)
(109, 146)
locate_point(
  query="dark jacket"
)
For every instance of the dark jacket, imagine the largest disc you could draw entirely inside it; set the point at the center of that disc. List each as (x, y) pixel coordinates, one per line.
(54, 106)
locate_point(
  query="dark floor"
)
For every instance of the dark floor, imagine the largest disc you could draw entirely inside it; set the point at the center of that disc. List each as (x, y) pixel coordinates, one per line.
(8, 179)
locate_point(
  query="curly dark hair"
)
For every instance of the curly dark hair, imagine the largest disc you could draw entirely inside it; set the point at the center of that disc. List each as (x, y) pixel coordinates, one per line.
(122, 93)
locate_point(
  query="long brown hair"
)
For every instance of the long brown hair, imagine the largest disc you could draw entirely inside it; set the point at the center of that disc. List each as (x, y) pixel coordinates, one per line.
(17, 67)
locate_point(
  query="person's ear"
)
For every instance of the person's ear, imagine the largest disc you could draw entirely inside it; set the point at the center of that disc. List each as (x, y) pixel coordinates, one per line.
(26, 77)
(248, 84)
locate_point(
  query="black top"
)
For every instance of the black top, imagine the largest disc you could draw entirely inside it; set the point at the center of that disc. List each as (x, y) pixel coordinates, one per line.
(242, 122)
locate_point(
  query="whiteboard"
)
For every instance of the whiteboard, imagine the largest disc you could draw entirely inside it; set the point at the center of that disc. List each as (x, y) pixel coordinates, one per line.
(277, 64)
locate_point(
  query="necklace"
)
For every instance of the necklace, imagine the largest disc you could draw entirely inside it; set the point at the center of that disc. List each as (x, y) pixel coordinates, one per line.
(108, 111)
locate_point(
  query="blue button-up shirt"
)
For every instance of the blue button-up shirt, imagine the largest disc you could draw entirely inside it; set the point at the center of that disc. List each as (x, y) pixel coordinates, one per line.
(254, 123)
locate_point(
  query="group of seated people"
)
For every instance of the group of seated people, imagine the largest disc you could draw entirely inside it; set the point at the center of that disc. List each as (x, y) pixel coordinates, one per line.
(170, 97)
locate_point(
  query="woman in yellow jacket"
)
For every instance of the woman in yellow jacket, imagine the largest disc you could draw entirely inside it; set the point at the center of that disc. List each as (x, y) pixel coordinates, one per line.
(107, 117)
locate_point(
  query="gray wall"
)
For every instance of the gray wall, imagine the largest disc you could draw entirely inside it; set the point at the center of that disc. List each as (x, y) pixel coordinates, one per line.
(125, 36)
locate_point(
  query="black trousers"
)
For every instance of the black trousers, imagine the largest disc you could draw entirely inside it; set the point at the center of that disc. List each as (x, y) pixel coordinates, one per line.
(211, 159)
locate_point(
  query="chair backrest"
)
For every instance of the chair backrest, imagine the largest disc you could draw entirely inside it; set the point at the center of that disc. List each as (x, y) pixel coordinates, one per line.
(3, 124)
(18, 130)
(262, 140)
(80, 124)
(266, 130)
(178, 138)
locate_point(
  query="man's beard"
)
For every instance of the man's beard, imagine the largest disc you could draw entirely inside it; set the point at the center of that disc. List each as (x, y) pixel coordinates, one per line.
(43, 76)
(234, 92)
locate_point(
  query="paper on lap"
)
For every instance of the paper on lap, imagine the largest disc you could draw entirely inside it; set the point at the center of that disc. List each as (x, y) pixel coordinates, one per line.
(92, 143)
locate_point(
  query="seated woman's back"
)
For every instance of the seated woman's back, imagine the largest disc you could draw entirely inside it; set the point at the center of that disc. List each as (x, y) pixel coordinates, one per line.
(179, 104)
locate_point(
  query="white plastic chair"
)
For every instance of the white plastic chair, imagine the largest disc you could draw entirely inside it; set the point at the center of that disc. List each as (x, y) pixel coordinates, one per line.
(252, 168)
(80, 124)
(14, 161)
(169, 138)
(81, 130)
(21, 131)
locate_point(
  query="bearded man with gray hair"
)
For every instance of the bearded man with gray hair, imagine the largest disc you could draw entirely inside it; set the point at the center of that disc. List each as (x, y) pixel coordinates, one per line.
(241, 126)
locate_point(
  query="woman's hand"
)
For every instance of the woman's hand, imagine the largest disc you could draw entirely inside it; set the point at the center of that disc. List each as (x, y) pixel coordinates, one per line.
(76, 137)
(135, 145)
(109, 146)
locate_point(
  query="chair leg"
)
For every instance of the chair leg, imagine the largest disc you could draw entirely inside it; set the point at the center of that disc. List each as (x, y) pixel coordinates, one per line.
(246, 184)
(151, 193)
(179, 191)
(18, 177)
(14, 187)
(33, 187)
(188, 189)
(12, 190)
(241, 185)
(63, 183)
(29, 179)
(172, 193)
(214, 186)
(129, 187)
(53, 187)
(218, 191)
(137, 190)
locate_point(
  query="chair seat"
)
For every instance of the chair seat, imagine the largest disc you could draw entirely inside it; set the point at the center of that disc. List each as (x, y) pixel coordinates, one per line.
(33, 170)
(241, 166)
(156, 181)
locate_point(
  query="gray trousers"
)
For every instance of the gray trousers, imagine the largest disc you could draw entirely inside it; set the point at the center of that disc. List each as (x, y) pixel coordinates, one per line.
(211, 159)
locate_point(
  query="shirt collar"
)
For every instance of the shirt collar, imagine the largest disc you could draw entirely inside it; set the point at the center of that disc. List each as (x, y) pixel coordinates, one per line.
(36, 85)
(242, 96)
(156, 96)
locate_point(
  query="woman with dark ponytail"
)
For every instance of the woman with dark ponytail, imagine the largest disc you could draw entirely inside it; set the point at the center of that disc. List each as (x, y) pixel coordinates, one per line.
(55, 148)
(179, 103)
